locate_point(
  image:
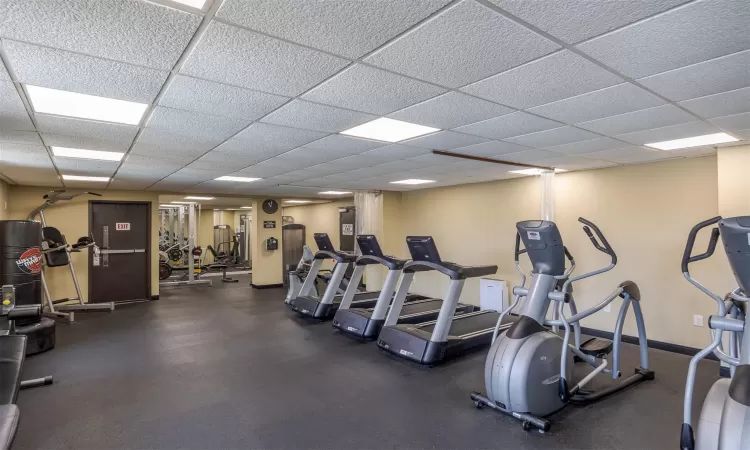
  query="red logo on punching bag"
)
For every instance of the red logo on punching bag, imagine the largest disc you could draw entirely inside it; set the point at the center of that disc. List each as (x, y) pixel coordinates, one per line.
(30, 261)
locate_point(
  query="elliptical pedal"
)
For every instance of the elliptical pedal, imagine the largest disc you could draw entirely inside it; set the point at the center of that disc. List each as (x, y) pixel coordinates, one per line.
(597, 347)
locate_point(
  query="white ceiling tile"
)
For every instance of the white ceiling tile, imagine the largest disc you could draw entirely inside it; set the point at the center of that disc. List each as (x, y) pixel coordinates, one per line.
(509, 125)
(58, 69)
(463, 44)
(207, 126)
(698, 80)
(159, 151)
(742, 134)
(668, 133)
(4, 76)
(450, 110)
(315, 182)
(687, 35)
(236, 56)
(724, 104)
(89, 167)
(268, 135)
(318, 117)
(128, 185)
(24, 155)
(694, 152)
(20, 137)
(389, 168)
(395, 152)
(574, 21)
(527, 156)
(249, 152)
(371, 90)
(264, 169)
(175, 141)
(31, 176)
(216, 160)
(593, 145)
(629, 155)
(362, 160)
(661, 116)
(345, 145)
(734, 123)
(131, 31)
(144, 173)
(606, 102)
(86, 128)
(208, 97)
(15, 120)
(155, 162)
(60, 140)
(554, 77)
(579, 163)
(555, 136)
(9, 98)
(349, 28)
(432, 159)
(197, 175)
(444, 140)
(303, 157)
(491, 148)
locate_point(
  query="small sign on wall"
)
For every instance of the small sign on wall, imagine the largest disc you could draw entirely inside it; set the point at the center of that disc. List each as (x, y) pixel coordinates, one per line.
(269, 224)
(122, 226)
(347, 229)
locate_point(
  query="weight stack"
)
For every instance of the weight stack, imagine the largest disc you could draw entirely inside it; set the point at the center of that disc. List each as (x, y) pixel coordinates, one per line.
(21, 263)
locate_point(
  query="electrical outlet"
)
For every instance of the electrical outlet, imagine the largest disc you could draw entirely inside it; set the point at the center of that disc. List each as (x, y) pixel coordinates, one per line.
(698, 320)
(608, 308)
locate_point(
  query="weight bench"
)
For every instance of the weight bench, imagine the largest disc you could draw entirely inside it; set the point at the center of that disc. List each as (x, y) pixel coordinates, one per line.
(223, 268)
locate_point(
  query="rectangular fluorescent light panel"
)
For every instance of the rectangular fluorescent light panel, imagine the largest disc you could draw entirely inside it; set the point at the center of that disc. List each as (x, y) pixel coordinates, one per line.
(87, 154)
(193, 197)
(81, 178)
(83, 106)
(246, 207)
(412, 181)
(389, 130)
(696, 141)
(241, 179)
(198, 4)
(297, 201)
(168, 206)
(182, 203)
(334, 192)
(534, 171)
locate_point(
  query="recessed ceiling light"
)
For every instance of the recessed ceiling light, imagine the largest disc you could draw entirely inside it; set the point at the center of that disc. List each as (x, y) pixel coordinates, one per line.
(389, 130)
(696, 141)
(412, 181)
(198, 4)
(82, 178)
(242, 179)
(535, 171)
(82, 106)
(246, 207)
(87, 154)
(334, 192)
(168, 206)
(193, 197)
(297, 201)
(181, 203)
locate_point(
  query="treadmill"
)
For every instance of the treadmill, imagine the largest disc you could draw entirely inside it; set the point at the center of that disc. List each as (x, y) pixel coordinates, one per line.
(365, 323)
(431, 343)
(325, 307)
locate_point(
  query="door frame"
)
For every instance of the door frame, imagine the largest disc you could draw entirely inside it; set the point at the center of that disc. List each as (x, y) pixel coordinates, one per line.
(149, 225)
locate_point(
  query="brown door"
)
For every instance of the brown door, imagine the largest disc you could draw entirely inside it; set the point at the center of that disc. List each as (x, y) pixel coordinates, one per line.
(120, 271)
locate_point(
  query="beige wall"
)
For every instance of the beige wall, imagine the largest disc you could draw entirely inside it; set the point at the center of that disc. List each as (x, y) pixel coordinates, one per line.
(267, 264)
(71, 218)
(4, 188)
(319, 218)
(734, 184)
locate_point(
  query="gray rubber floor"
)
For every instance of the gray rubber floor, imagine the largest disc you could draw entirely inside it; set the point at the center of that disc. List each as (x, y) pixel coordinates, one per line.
(230, 367)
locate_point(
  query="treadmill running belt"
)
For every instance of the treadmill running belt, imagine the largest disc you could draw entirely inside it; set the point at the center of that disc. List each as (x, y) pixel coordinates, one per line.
(472, 323)
(372, 295)
(421, 307)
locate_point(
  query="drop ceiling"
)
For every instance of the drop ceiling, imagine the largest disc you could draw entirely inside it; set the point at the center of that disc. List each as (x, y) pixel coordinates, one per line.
(252, 88)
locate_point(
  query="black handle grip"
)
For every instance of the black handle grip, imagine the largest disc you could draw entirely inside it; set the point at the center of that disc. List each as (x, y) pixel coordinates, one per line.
(601, 244)
(686, 258)
(518, 251)
(24, 312)
(570, 257)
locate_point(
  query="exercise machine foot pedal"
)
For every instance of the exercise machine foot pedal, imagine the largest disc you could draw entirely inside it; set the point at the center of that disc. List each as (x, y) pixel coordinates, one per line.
(596, 347)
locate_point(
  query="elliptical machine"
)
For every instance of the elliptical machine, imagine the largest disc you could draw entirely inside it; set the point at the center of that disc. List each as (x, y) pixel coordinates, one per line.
(528, 368)
(725, 418)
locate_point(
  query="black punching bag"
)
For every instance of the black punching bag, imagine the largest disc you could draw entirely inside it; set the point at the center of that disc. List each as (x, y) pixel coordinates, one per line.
(21, 262)
(21, 259)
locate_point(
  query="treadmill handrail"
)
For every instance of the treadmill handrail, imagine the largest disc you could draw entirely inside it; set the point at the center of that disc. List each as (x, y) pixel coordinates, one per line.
(390, 262)
(339, 257)
(454, 271)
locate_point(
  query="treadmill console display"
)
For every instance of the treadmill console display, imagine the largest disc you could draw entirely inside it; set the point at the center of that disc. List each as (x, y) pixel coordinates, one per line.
(324, 242)
(423, 248)
(368, 245)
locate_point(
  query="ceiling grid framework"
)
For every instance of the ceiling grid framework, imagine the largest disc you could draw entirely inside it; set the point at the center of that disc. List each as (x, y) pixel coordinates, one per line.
(256, 89)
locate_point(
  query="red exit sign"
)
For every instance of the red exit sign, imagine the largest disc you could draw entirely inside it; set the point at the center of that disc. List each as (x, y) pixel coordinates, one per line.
(122, 226)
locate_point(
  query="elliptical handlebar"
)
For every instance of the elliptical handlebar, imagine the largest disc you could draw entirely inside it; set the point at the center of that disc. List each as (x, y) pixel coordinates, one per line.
(518, 250)
(601, 244)
(686, 256)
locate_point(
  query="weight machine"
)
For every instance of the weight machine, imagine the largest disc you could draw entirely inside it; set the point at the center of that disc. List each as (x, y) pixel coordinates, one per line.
(179, 226)
(57, 253)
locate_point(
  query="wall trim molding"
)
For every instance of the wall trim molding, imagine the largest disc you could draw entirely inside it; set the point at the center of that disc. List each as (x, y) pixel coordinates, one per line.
(267, 286)
(659, 345)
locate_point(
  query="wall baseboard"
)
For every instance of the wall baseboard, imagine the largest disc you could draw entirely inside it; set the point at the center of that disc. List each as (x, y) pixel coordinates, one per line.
(155, 297)
(659, 345)
(267, 286)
